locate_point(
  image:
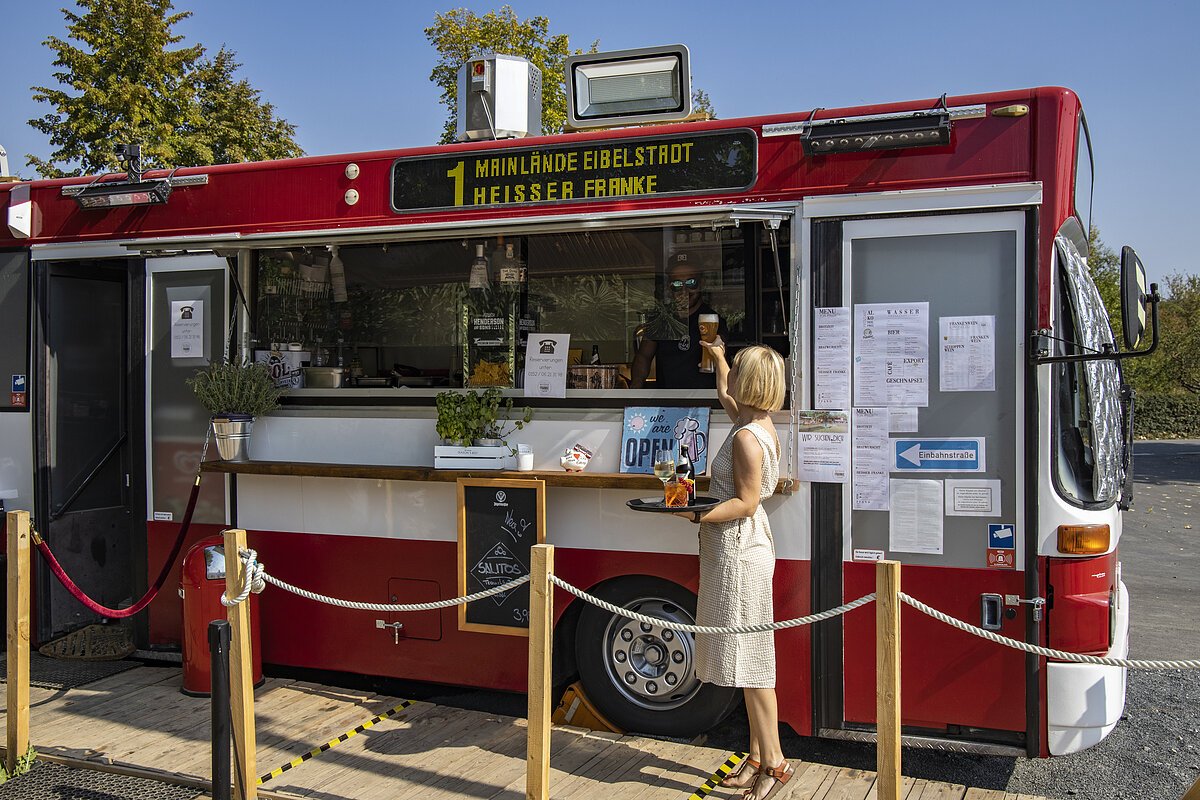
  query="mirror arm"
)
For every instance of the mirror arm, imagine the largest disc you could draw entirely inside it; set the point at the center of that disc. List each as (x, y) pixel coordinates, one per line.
(1109, 354)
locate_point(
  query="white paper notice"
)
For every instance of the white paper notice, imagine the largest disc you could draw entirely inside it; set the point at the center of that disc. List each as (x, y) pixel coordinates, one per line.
(968, 359)
(972, 498)
(870, 434)
(915, 521)
(891, 354)
(831, 358)
(187, 329)
(824, 446)
(546, 364)
(902, 420)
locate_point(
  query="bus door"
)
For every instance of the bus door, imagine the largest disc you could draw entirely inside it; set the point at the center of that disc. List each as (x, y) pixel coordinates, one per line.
(90, 483)
(936, 324)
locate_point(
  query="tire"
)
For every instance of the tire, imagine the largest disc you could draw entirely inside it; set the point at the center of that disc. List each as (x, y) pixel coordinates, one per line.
(642, 677)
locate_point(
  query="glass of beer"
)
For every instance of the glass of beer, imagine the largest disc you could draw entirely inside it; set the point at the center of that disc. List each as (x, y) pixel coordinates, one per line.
(708, 333)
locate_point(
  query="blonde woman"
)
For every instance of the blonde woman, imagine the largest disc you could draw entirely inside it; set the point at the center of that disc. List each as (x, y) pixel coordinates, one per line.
(737, 560)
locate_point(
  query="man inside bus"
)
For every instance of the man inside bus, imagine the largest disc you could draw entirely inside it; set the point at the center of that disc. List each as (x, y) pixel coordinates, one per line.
(672, 340)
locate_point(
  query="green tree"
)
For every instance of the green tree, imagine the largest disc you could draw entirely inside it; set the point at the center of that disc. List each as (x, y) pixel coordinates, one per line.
(129, 79)
(1177, 364)
(460, 35)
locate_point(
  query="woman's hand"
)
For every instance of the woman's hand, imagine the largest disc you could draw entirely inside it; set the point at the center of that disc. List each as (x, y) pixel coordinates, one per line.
(716, 349)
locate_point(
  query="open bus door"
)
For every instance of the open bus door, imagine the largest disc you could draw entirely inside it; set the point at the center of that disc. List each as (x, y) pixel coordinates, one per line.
(973, 266)
(90, 434)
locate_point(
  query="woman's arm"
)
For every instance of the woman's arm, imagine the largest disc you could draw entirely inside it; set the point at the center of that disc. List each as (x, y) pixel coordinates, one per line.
(747, 482)
(717, 351)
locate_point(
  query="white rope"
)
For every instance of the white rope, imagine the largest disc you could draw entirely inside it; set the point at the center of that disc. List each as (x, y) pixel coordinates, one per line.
(259, 574)
(1061, 655)
(252, 582)
(682, 628)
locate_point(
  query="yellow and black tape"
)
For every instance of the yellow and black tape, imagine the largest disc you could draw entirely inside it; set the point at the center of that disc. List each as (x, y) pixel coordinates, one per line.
(718, 776)
(295, 762)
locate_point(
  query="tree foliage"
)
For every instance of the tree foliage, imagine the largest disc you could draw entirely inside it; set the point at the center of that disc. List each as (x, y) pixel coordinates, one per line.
(123, 76)
(460, 35)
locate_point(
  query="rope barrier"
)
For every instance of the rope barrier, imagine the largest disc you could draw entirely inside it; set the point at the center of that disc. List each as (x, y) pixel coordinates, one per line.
(256, 573)
(740, 629)
(123, 613)
(1061, 655)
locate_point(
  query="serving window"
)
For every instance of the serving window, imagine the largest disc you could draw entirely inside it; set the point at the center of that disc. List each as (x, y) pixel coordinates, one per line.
(461, 312)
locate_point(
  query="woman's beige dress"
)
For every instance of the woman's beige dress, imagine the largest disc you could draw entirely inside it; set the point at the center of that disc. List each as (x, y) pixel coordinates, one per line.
(737, 563)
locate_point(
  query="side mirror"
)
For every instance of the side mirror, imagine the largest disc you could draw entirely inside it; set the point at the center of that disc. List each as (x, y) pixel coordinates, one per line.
(1133, 297)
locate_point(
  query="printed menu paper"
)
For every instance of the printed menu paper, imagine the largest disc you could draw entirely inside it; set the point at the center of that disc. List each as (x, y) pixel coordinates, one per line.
(902, 420)
(831, 358)
(891, 354)
(972, 498)
(915, 521)
(546, 364)
(968, 357)
(824, 446)
(870, 432)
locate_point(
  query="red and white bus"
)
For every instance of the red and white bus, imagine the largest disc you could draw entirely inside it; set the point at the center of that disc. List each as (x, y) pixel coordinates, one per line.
(799, 226)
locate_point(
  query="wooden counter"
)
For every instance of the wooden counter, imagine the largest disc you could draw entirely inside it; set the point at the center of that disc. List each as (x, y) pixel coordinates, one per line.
(554, 477)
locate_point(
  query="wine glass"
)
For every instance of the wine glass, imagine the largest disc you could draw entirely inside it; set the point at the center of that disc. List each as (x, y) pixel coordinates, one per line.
(664, 463)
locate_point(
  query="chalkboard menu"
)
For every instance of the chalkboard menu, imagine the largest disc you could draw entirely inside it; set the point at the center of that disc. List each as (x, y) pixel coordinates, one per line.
(499, 521)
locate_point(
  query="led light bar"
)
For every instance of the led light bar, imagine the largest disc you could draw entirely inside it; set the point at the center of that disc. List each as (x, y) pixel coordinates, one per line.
(919, 130)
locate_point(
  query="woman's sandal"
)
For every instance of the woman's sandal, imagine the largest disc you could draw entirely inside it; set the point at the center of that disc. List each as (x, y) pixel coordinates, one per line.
(745, 764)
(781, 775)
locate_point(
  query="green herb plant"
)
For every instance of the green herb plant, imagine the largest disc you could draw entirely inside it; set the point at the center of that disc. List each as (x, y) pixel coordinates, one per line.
(23, 765)
(236, 387)
(464, 417)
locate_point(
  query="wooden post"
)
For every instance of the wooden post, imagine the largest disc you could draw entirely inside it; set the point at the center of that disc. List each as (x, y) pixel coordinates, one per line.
(18, 638)
(887, 679)
(241, 677)
(541, 645)
(1194, 792)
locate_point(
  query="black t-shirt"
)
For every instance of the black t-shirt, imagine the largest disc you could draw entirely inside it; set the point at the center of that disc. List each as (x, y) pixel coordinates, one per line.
(677, 360)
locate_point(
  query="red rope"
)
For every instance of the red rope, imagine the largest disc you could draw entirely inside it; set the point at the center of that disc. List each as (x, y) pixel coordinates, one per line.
(122, 613)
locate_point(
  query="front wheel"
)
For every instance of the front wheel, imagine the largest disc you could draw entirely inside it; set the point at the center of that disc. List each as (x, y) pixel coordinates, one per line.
(641, 676)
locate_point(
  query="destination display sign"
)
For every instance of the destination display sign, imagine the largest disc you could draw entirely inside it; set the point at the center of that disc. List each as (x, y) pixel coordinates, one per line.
(651, 166)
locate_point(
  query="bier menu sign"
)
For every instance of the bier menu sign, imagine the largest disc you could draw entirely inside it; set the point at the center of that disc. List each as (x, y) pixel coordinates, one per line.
(650, 166)
(499, 522)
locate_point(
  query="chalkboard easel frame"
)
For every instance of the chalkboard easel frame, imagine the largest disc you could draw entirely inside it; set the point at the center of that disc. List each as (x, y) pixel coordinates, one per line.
(492, 483)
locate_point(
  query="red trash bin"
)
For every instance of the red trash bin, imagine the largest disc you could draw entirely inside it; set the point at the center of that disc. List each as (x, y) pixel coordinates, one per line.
(201, 583)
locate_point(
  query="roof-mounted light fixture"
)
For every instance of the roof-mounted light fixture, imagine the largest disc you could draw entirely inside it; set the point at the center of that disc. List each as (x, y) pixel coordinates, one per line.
(892, 132)
(130, 191)
(623, 87)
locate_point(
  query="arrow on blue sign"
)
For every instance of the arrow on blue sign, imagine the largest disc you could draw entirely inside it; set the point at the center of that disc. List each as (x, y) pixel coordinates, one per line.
(939, 455)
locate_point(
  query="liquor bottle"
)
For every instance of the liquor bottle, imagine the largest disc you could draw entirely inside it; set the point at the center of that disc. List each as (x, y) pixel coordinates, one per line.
(479, 280)
(595, 354)
(685, 473)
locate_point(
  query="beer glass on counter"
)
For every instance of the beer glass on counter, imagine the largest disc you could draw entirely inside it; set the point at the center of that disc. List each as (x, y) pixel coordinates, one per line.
(708, 333)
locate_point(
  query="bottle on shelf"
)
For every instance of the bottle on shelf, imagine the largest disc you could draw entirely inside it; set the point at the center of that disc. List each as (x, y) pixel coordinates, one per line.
(685, 473)
(595, 354)
(479, 281)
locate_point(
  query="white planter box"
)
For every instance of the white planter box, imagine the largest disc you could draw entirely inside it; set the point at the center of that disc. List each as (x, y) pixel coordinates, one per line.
(451, 457)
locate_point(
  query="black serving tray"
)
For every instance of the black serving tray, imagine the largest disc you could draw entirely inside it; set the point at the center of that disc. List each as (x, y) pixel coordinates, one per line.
(656, 505)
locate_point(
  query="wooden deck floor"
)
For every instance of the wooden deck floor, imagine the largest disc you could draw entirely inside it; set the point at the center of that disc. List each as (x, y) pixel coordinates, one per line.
(140, 719)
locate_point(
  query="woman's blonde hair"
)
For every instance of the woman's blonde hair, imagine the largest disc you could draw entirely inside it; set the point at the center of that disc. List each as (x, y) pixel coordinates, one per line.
(760, 380)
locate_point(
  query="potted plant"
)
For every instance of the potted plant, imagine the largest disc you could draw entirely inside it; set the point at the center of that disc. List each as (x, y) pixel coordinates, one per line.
(234, 393)
(475, 418)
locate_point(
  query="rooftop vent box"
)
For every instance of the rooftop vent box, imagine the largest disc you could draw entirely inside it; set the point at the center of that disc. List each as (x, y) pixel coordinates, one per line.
(499, 97)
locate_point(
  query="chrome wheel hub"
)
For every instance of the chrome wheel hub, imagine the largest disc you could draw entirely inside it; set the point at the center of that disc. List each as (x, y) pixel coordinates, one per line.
(651, 666)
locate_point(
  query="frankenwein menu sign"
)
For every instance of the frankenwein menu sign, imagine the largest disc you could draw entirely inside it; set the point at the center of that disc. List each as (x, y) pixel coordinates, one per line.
(499, 522)
(651, 166)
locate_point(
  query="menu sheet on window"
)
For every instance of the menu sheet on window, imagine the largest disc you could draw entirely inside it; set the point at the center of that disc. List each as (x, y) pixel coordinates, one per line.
(870, 443)
(824, 446)
(968, 356)
(831, 358)
(891, 354)
(915, 521)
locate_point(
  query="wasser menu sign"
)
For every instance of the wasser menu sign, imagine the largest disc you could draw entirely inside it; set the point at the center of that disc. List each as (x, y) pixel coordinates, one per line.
(698, 163)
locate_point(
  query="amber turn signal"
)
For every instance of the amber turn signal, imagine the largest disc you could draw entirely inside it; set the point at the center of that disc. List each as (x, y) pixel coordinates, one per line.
(1083, 539)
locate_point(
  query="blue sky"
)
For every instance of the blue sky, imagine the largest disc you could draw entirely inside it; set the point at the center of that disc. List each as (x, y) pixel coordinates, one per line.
(354, 75)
